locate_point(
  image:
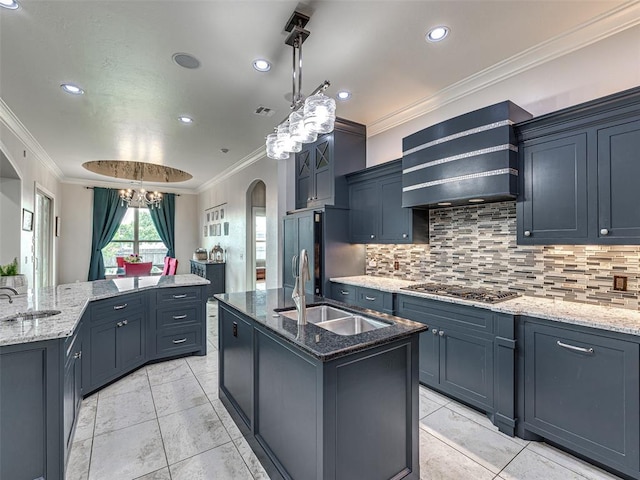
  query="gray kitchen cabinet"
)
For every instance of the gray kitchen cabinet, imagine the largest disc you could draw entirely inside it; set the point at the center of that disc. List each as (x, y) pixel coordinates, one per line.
(236, 362)
(72, 385)
(179, 322)
(299, 233)
(578, 169)
(215, 272)
(364, 297)
(467, 353)
(581, 390)
(376, 213)
(321, 166)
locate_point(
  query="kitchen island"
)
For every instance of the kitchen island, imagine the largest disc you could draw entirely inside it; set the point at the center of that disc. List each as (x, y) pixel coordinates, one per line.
(321, 405)
(62, 343)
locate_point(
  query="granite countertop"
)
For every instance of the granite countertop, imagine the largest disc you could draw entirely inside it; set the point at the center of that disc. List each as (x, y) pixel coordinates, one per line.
(615, 319)
(72, 299)
(261, 306)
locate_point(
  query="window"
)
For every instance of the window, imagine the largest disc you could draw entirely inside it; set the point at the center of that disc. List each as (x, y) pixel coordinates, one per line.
(136, 234)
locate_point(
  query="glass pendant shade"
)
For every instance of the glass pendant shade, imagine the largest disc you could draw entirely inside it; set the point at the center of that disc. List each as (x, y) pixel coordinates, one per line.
(272, 150)
(297, 129)
(285, 142)
(319, 113)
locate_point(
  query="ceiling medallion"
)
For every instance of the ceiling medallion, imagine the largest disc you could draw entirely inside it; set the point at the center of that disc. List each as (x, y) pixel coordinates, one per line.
(138, 172)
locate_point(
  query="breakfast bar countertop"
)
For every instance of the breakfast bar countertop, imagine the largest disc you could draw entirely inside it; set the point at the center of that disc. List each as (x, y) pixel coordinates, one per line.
(72, 299)
(614, 319)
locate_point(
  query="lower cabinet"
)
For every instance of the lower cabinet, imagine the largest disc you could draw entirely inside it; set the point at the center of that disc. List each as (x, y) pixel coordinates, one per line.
(364, 297)
(72, 386)
(581, 390)
(467, 353)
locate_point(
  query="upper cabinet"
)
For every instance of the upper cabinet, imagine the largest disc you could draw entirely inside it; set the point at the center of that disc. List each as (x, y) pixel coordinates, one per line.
(376, 214)
(579, 168)
(322, 165)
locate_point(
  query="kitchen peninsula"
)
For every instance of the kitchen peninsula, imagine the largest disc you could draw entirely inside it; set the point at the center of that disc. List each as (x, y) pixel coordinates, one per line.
(63, 343)
(321, 404)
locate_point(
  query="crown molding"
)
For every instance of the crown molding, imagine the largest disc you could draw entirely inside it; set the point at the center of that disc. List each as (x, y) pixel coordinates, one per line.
(605, 25)
(17, 128)
(241, 164)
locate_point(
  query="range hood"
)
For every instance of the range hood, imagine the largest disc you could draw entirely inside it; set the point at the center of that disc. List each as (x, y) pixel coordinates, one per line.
(468, 159)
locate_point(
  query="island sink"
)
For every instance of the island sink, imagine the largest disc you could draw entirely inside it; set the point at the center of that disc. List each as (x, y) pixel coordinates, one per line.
(317, 314)
(340, 322)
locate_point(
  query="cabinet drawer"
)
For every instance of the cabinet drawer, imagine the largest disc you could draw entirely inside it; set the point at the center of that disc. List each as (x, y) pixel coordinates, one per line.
(113, 308)
(178, 340)
(178, 316)
(344, 293)
(178, 294)
(375, 299)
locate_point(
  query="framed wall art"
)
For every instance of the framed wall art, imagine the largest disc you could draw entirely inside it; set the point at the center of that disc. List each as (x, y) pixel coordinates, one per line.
(206, 231)
(27, 220)
(57, 226)
(211, 230)
(226, 228)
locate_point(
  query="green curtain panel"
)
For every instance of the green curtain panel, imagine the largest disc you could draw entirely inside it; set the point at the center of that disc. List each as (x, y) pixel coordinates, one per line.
(108, 213)
(164, 219)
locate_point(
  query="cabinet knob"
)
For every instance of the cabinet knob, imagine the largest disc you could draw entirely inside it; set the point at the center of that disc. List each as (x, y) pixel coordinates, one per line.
(604, 231)
(441, 333)
(527, 233)
(124, 322)
(404, 235)
(309, 199)
(78, 354)
(373, 236)
(434, 331)
(119, 324)
(343, 292)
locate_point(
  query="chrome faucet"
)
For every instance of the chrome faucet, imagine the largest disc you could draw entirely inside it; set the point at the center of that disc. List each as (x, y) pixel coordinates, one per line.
(301, 274)
(15, 292)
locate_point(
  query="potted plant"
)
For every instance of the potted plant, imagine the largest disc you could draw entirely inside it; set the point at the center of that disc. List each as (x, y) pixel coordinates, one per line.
(9, 277)
(133, 258)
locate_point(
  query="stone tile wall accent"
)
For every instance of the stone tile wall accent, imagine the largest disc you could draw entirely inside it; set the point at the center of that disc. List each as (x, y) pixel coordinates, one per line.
(476, 246)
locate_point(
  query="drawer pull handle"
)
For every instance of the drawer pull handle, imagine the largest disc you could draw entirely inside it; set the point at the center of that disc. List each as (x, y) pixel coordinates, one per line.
(180, 296)
(574, 348)
(179, 317)
(182, 340)
(371, 299)
(120, 307)
(344, 292)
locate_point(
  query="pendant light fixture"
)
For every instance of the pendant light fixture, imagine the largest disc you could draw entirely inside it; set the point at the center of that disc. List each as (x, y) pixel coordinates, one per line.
(310, 117)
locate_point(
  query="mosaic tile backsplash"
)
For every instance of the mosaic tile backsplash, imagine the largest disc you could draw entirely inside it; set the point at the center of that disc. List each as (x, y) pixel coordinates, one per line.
(476, 246)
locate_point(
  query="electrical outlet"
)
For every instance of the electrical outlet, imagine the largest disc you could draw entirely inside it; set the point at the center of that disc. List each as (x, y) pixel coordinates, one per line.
(396, 265)
(620, 283)
(373, 263)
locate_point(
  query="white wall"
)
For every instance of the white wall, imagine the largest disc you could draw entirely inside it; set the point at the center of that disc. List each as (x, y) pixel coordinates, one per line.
(600, 69)
(232, 191)
(75, 239)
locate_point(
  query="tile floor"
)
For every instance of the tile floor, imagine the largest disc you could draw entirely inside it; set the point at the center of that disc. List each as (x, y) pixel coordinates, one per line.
(165, 422)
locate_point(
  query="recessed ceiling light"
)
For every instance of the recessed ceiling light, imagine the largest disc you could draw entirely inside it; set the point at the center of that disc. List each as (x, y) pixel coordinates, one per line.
(10, 4)
(71, 88)
(185, 60)
(438, 33)
(476, 200)
(185, 119)
(343, 95)
(261, 65)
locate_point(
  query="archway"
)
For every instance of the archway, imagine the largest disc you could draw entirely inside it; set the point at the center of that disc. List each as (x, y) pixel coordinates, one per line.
(256, 236)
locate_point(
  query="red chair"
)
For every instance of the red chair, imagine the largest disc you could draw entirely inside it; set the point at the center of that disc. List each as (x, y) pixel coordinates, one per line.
(173, 266)
(137, 269)
(165, 269)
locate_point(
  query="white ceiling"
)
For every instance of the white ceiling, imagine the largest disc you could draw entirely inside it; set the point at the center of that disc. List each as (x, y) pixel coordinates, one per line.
(120, 53)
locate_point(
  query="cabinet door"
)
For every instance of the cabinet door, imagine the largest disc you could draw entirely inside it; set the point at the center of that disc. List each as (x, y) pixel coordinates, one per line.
(68, 403)
(323, 179)
(395, 221)
(306, 240)
(429, 360)
(304, 176)
(466, 366)
(364, 202)
(618, 174)
(103, 353)
(130, 341)
(554, 200)
(236, 369)
(582, 390)
(290, 249)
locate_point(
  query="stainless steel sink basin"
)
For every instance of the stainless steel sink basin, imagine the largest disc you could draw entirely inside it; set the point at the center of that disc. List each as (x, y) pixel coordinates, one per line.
(352, 325)
(317, 314)
(32, 315)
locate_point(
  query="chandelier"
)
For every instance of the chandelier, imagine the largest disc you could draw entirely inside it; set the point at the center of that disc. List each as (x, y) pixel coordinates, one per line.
(140, 198)
(310, 117)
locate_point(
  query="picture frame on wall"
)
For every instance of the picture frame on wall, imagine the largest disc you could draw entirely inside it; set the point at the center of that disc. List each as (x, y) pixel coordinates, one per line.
(216, 214)
(219, 229)
(211, 230)
(221, 213)
(206, 231)
(57, 226)
(226, 228)
(208, 217)
(27, 220)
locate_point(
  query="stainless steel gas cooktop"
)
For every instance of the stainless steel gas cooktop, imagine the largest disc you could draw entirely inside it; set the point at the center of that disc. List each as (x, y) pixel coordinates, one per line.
(475, 294)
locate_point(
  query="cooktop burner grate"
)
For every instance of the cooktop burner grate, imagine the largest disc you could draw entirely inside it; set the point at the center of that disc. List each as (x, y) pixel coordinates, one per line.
(477, 294)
